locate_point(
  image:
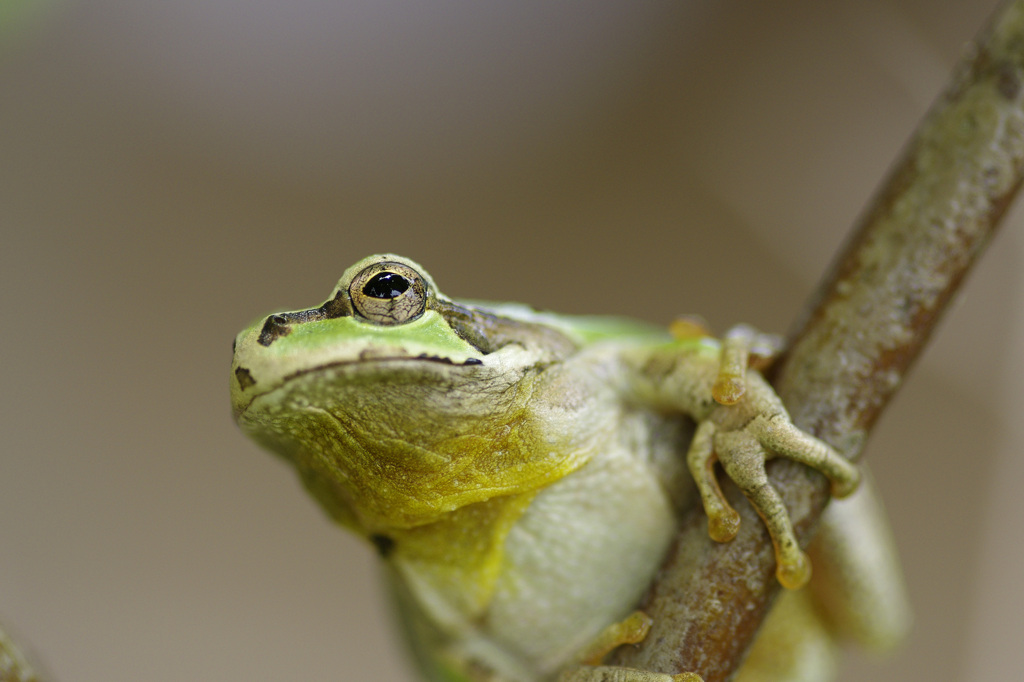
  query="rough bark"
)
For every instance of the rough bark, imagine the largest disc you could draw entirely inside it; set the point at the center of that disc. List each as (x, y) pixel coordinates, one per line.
(868, 320)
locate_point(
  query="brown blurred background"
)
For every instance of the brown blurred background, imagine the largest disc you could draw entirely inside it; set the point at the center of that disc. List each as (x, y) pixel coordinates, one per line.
(171, 171)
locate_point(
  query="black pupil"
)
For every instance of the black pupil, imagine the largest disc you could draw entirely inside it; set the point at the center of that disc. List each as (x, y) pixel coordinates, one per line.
(386, 285)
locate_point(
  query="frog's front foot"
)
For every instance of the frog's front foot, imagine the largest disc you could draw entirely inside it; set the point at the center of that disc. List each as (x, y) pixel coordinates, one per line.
(743, 437)
(631, 630)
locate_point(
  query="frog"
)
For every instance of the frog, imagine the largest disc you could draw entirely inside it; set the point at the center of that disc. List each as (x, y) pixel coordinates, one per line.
(522, 473)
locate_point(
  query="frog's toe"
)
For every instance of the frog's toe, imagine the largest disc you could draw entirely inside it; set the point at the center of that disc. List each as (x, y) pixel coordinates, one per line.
(792, 565)
(731, 384)
(630, 630)
(723, 523)
(689, 327)
(793, 572)
(793, 568)
(723, 520)
(779, 435)
(847, 484)
(728, 389)
(743, 347)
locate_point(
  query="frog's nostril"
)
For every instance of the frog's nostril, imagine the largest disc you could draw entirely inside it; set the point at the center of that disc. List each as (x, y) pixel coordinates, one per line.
(274, 328)
(244, 378)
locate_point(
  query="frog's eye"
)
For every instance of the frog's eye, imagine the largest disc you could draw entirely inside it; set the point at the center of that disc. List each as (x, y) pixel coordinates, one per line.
(388, 293)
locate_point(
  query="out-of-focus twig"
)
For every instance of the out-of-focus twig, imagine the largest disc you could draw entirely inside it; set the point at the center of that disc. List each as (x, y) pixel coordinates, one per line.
(14, 665)
(869, 320)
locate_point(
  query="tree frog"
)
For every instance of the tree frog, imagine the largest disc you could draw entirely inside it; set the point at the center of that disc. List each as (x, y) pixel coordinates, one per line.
(521, 473)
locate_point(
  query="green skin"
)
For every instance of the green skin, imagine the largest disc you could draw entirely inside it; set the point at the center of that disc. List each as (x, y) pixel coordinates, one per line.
(521, 475)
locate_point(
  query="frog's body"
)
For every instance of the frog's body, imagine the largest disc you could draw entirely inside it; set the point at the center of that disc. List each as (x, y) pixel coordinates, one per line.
(519, 472)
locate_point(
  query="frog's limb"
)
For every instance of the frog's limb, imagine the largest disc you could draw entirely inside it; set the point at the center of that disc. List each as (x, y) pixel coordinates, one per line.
(860, 585)
(743, 347)
(630, 630)
(742, 437)
(723, 520)
(780, 436)
(743, 458)
(730, 385)
(689, 327)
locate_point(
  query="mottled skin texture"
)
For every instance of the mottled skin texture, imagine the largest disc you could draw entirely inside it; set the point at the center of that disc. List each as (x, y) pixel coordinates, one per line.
(520, 473)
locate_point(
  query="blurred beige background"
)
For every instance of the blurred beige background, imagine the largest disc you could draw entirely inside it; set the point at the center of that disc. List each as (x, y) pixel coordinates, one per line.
(171, 171)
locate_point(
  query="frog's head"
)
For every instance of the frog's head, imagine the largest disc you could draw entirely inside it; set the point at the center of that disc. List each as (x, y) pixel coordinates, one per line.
(394, 402)
(385, 318)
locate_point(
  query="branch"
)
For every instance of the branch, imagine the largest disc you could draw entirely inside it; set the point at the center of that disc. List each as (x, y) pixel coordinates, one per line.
(868, 321)
(14, 665)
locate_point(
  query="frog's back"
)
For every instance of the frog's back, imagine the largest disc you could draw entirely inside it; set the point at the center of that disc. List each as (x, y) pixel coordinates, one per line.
(583, 329)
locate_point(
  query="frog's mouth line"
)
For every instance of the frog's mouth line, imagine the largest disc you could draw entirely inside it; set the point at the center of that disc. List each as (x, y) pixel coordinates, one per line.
(363, 360)
(246, 381)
